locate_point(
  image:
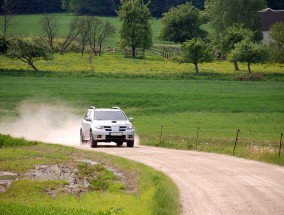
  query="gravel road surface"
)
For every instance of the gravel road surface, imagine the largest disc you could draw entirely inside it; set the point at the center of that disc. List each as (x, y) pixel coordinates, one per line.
(212, 183)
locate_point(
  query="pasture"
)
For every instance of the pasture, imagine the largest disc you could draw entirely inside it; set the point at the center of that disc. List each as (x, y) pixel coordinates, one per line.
(29, 25)
(180, 106)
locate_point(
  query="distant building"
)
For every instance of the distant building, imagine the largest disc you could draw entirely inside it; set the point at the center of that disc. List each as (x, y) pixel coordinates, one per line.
(268, 18)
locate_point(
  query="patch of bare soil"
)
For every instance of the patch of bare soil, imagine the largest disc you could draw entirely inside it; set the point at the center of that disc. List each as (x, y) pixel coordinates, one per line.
(6, 179)
(76, 184)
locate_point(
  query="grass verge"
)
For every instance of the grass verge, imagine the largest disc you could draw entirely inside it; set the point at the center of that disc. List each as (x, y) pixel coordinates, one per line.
(154, 193)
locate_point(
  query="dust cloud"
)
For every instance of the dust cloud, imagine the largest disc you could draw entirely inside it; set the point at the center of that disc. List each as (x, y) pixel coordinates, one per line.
(56, 123)
(50, 123)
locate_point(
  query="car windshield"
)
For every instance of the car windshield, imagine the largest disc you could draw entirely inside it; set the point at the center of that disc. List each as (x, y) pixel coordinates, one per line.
(109, 115)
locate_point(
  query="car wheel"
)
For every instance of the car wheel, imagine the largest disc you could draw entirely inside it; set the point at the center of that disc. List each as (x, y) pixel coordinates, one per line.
(130, 143)
(94, 143)
(119, 143)
(81, 138)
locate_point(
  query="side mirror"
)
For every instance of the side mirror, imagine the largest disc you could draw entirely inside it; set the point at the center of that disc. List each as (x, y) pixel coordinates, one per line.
(88, 119)
(131, 119)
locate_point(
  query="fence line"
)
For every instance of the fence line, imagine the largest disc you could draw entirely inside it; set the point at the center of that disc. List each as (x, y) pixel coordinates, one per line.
(198, 136)
(209, 129)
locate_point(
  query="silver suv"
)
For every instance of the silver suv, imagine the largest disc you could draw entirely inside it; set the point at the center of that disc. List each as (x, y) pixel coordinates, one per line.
(107, 125)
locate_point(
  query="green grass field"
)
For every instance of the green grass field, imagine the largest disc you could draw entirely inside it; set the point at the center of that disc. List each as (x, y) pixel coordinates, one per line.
(29, 25)
(180, 104)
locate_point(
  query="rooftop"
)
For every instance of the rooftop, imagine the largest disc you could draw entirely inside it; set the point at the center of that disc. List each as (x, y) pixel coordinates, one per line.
(269, 17)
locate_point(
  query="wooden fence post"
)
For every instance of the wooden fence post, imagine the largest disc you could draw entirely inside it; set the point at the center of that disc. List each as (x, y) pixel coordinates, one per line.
(197, 137)
(161, 134)
(280, 145)
(237, 138)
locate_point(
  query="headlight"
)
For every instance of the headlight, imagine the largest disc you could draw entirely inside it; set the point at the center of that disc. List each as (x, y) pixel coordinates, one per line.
(99, 127)
(130, 127)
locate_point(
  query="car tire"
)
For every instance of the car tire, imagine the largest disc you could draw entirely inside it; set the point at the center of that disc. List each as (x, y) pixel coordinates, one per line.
(94, 143)
(119, 143)
(81, 138)
(130, 143)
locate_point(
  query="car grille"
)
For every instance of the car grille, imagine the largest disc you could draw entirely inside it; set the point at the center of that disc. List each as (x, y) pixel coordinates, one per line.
(115, 138)
(107, 128)
(121, 128)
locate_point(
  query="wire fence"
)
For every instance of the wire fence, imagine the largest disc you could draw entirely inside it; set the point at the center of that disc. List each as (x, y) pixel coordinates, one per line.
(210, 139)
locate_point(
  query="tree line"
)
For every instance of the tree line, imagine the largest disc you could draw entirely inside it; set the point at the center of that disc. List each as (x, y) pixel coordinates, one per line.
(106, 7)
(92, 7)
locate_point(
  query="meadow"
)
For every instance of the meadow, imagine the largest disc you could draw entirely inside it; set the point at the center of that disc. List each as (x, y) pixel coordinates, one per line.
(29, 25)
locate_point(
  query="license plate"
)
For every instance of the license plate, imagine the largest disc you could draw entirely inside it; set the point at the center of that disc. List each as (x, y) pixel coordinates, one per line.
(115, 134)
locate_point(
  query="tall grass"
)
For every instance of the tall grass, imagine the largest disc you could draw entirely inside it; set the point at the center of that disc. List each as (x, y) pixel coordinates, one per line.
(260, 150)
(8, 141)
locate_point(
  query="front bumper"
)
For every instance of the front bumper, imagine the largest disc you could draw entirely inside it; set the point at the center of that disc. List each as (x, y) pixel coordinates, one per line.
(106, 136)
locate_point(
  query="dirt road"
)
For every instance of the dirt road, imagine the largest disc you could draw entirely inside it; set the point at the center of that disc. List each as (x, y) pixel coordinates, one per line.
(211, 183)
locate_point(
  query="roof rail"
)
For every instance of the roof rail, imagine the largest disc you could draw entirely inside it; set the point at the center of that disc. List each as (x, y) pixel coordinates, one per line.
(116, 107)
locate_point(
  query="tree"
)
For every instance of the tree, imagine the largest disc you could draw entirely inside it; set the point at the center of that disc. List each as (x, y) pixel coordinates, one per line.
(72, 34)
(100, 30)
(84, 32)
(108, 7)
(195, 51)
(37, 6)
(277, 42)
(233, 35)
(249, 52)
(224, 13)
(28, 51)
(181, 23)
(275, 4)
(96, 28)
(135, 31)
(50, 27)
(107, 31)
(3, 45)
(91, 7)
(8, 11)
(158, 7)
